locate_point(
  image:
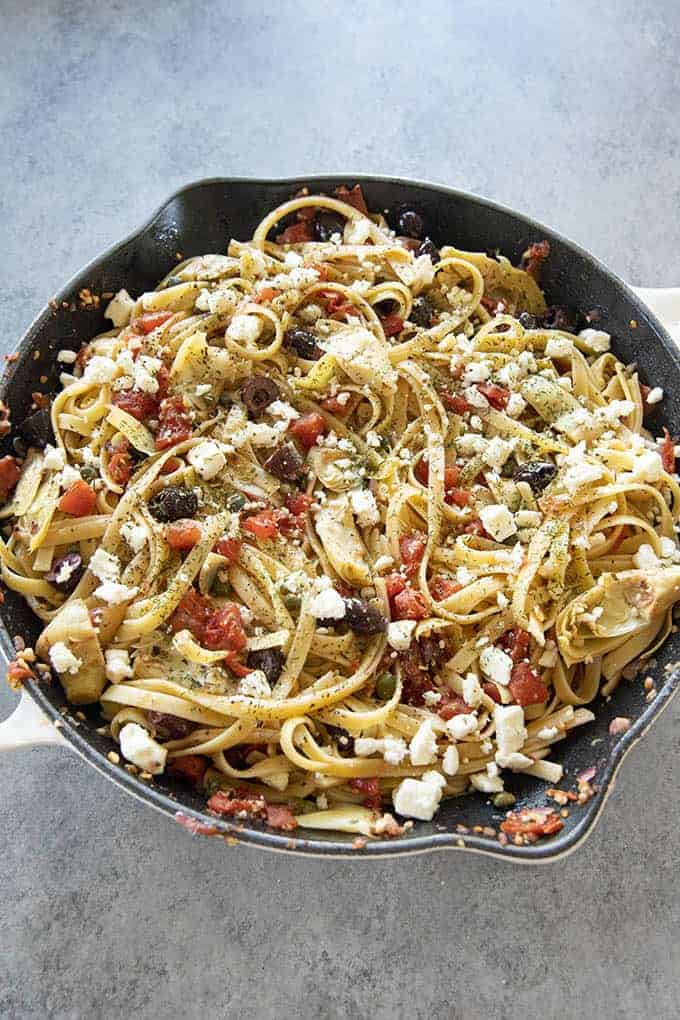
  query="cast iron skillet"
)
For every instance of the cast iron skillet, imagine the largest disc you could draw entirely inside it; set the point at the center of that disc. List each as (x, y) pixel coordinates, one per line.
(201, 218)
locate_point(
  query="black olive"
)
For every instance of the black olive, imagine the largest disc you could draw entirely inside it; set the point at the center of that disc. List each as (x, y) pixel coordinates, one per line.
(422, 312)
(37, 428)
(411, 223)
(386, 307)
(364, 618)
(528, 321)
(428, 247)
(72, 565)
(560, 317)
(258, 393)
(431, 655)
(171, 727)
(173, 503)
(285, 463)
(343, 741)
(303, 343)
(19, 446)
(538, 473)
(326, 224)
(269, 660)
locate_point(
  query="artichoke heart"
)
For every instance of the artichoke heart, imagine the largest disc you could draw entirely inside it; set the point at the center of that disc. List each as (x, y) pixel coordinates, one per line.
(342, 542)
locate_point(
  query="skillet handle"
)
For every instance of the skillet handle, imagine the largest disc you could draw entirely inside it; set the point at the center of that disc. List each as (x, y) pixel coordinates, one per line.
(665, 304)
(28, 726)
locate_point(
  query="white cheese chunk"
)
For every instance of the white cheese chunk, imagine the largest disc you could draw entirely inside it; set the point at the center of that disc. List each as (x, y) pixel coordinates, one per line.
(118, 666)
(476, 372)
(104, 565)
(67, 357)
(207, 458)
(498, 521)
(655, 395)
(645, 558)
(134, 534)
(497, 452)
(365, 507)
(496, 664)
(510, 731)
(255, 685)
(100, 369)
(63, 659)
(328, 605)
(515, 406)
(472, 692)
(142, 750)
(451, 760)
(423, 745)
(514, 760)
(114, 593)
(119, 309)
(485, 783)
(399, 634)
(53, 459)
(462, 726)
(419, 798)
(244, 328)
(597, 339)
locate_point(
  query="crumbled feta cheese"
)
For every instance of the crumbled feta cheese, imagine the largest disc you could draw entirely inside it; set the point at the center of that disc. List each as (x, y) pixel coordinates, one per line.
(328, 604)
(515, 405)
(498, 521)
(144, 373)
(431, 698)
(207, 458)
(423, 746)
(221, 301)
(373, 440)
(142, 750)
(357, 231)
(470, 445)
(68, 357)
(559, 347)
(514, 760)
(496, 664)
(283, 410)
(63, 659)
(548, 733)
(472, 692)
(365, 507)
(399, 634)
(104, 565)
(394, 750)
(655, 395)
(65, 571)
(118, 666)
(645, 558)
(597, 339)
(244, 328)
(451, 760)
(100, 369)
(474, 397)
(69, 475)
(119, 309)
(419, 798)
(134, 535)
(582, 473)
(255, 685)
(501, 600)
(54, 459)
(647, 466)
(310, 313)
(484, 783)
(510, 731)
(668, 548)
(461, 726)
(114, 593)
(497, 452)
(260, 434)
(476, 372)
(203, 389)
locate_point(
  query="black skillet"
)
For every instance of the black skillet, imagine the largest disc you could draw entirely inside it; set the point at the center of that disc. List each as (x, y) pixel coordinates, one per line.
(201, 218)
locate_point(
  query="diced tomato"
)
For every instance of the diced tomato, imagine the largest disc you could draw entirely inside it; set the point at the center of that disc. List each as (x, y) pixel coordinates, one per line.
(334, 406)
(442, 587)
(296, 233)
(451, 476)
(171, 464)
(516, 643)
(457, 497)
(534, 257)
(149, 321)
(267, 294)
(230, 548)
(391, 324)
(192, 614)
(412, 549)
(532, 822)
(668, 452)
(280, 816)
(475, 527)
(299, 503)
(295, 520)
(191, 767)
(497, 396)
(236, 667)
(422, 471)
(410, 605)
(525, 686)
(17, 672)
(353, 197)
(175, 423)
(336, 305)
(163, 380)
(370, 788)
(120, 463)
(451, 704)
(224, 630)
(78, 500)
(458, 405)
(139, 404)
(394, 583)
(182, 535)
(308, 428)
(223, 802)
(10, 473)
(262, 525)
(491, 690)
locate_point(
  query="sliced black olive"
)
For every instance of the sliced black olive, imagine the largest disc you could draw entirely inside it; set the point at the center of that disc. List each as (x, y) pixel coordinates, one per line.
(170, 726)
(538, 473)
(422, 312)
(303, 343)
(428, 247)
(285, 463)
(66, 572)
(173, 503)
(326, 224)
(37, 428)
(528, 321)
(411, 223)
(343, 741)
(258, 393)
(386, 307)
(431, 655)
(269, 660)
(364, 618)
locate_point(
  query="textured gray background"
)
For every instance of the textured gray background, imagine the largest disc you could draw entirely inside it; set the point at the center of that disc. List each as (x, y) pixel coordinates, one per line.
(567, 110)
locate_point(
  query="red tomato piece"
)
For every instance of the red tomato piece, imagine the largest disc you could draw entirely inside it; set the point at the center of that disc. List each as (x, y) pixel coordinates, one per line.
(171, 464)
(457, 497)
(295, 520)
(476, 528)
(412, 549)
(370, 788)
(308, 428)
(230, 548)
(497, 396)
(280, 816)
(182, 535)
(525, 686)
(491, 690)
(410, 605)
(10, 473)
(175, 423)
(394, 583)
(139, 404)
(334, 406)
(451, 704)
(224, 630)
(532, 822)
(336, 305)
(267, 294)
(296, 233)
(192, 614)
(391, 324)
(353, 197)
(668, 452)
(223, 802)
(458, 405)
(79, 500)
(120, 464)
(149, 321)
(422, 471)
(17, 672)
(441, 587)
(262, 525)
(191, 767)
(516, 643)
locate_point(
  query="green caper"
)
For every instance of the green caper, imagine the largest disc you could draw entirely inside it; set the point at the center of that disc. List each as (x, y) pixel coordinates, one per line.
(504, 799)
(291, 601)
(236, 503)
(385, 686)
(88, 473)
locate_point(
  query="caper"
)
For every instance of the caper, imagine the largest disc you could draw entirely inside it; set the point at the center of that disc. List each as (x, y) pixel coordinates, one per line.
(385, 686)
(504, 799)
(88, 472)
(291, 601)
(236, 503)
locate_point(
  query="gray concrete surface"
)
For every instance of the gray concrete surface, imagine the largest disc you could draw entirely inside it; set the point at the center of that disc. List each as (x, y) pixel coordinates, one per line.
(568, 110)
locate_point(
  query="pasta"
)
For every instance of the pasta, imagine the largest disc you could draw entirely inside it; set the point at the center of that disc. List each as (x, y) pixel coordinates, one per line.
(339, 524)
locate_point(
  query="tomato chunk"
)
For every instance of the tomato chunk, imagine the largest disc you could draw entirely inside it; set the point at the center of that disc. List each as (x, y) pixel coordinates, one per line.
(192, 614)
(230, 548)
(410, 605)
(78, 500)
(476, 528)
(139, 404)
(225, 802)
(120, 464)
(335, 406)
(412, 549)
(175, 423)
(353, 197)
(308, 428)
(262, 525)
(149, 321)
(224, 630)
(295, 520)
(441, 587)
(394, 583)
(267, 294)
(451, 704)
(668, 452)
(183, 534)
(191, 767)
(17, 672)
(391, 324)
(458, 405)
(370, 788)
(497, 396)
(525, 686)
(516, 643)
(10, 473)
(532, 822)
(280, 816)
(457, 497)
(491, 690)
(296, 233)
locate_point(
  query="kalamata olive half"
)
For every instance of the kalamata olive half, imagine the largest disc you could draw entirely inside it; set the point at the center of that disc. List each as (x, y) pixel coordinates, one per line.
(422, 312)
(66, 572)
(303, 343)
(173, 503)
(285, 463)
(431, 654)
(537, 473)
(364, 618)
(326, 224)
(258, 393)
(528, 321)
(171, 727)
(428, 247)
(410, 222)
(37, 428)
(269, 660)
(344, 741)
